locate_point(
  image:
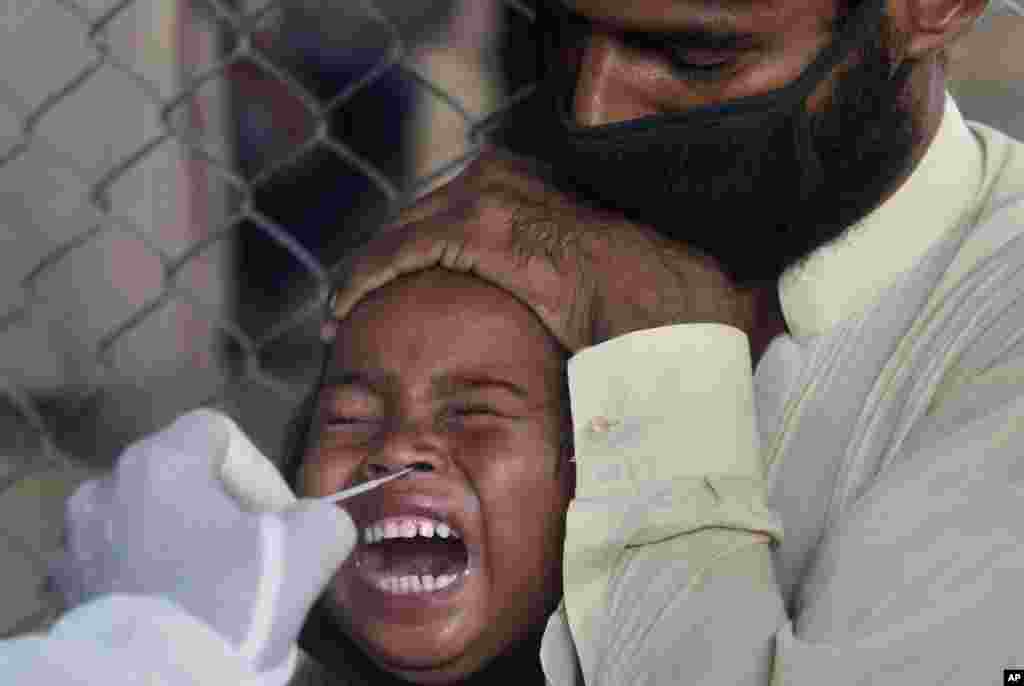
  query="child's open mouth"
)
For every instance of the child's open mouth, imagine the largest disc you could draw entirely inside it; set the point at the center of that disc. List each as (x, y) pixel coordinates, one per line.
(409, 555)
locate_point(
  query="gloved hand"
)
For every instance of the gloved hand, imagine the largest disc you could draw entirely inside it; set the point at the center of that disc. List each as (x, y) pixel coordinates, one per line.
(196, 514)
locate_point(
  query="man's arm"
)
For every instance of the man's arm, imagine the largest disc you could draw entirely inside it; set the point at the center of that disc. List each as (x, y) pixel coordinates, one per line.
(668, 569)
(919, 583)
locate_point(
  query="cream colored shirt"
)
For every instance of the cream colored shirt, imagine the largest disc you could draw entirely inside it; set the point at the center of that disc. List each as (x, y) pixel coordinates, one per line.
(884, 435)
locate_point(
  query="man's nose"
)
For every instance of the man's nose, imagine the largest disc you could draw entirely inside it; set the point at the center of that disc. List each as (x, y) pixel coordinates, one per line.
(610, 83)
(413, 444)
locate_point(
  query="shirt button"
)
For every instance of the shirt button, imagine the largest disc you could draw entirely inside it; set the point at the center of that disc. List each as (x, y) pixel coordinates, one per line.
(600, 425)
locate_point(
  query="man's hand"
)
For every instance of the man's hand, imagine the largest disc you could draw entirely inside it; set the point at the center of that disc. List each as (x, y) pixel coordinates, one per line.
(589, 275)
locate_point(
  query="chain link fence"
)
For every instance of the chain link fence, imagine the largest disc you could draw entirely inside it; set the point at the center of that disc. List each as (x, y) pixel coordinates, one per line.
(176, 180)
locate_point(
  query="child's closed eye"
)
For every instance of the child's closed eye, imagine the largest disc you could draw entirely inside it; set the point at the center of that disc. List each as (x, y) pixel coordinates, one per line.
(474, 413)
(349, 421)
(473, 409)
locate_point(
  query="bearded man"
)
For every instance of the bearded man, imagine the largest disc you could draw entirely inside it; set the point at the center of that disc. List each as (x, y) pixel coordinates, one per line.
(790, 275)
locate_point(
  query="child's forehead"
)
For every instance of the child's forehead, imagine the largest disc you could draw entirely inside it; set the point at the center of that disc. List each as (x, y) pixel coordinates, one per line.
(441, 383)
(462, 310)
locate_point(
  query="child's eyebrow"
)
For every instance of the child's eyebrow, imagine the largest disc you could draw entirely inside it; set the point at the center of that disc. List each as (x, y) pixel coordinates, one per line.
(449, 384)
(370, 382)
(443, 385)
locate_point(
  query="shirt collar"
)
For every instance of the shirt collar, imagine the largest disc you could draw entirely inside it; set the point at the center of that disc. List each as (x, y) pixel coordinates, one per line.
(840, 279)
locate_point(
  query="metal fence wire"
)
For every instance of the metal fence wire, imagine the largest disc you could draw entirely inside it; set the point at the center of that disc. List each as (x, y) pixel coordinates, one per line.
(161, 246)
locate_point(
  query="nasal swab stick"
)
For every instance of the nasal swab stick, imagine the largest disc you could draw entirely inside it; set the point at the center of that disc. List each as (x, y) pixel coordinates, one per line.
(363, 487)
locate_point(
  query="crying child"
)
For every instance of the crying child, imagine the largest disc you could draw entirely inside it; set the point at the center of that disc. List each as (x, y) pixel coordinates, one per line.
(459, 563)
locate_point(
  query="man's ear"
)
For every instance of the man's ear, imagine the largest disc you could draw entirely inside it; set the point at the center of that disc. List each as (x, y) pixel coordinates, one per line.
(931, 25)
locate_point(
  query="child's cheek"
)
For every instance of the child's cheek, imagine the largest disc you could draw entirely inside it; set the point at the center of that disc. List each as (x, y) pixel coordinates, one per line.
(485, 444)
(515, 454)
(327, 468)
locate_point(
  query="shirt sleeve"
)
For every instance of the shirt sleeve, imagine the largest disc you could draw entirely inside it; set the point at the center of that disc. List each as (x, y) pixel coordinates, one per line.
(668, 569)
(131, 640)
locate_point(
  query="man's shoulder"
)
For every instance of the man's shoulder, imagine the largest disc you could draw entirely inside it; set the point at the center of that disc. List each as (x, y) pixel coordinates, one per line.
(1003, 177)
(996, 220)
(994, 237)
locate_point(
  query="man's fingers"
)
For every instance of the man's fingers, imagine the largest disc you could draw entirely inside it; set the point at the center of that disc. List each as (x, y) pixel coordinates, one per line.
(429, 205)
(493, 168)
(460, 190)
(366, 277)
(503, 169)
(386, 258)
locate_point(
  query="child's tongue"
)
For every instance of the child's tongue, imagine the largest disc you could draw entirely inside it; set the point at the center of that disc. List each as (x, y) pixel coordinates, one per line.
(413, 557)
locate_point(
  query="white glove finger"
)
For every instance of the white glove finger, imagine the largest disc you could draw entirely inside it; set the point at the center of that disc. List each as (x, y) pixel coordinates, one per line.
(84, 501)
(85, 511)
(318, 537)
(198, 441)
(214, 440)
(252, 479)
(322, 535)
(182, 458)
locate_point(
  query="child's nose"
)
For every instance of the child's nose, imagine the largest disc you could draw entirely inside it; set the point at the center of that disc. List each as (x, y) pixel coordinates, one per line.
(422, 447)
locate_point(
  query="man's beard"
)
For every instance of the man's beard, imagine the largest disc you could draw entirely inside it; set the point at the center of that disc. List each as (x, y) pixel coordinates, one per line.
(757, 192)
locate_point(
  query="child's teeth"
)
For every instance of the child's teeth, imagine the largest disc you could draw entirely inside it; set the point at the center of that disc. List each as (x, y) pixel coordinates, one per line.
(406, 528)
(404, 585)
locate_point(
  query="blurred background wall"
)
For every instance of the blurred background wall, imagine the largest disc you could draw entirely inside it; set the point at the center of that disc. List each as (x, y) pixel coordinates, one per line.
(987, 73)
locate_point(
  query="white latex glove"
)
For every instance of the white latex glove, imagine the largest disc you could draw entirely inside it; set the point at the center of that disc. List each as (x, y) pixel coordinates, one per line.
(196, 514)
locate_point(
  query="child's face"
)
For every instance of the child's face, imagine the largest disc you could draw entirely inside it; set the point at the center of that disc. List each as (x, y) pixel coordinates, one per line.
(454, 374)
